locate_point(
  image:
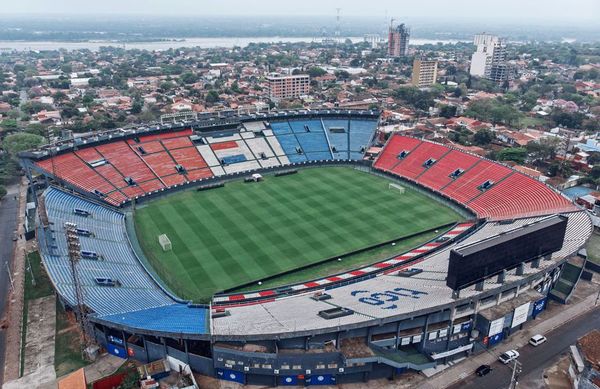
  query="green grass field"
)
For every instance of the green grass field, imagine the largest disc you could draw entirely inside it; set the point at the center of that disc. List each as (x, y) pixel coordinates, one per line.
(244, 232)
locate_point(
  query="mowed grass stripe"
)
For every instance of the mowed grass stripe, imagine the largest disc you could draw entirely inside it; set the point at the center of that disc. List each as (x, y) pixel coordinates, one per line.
(242, 233)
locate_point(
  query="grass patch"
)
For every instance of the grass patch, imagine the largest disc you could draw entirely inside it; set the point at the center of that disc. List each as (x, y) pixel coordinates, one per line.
(226, 237)
(37, 285)
(528, 122)
(67, 352)
(593, 248)
(349, 263)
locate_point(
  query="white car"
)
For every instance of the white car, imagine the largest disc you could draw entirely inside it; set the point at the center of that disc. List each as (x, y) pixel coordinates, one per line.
(508, 356)
(536, 340)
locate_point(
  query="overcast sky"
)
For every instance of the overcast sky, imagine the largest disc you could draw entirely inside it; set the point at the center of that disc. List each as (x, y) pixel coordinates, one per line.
(501, 10)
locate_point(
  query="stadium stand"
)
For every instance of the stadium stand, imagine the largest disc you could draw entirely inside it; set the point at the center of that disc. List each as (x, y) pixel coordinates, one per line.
(416, 161)
(490, 189)
(439, 175)
(522, 195)
(135, 294)
(338, 133)
(395, 146)
(119, 170)
(361, 134)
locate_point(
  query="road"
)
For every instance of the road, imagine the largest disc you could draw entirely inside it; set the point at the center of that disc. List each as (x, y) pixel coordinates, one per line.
(8, 224)
(535, 359)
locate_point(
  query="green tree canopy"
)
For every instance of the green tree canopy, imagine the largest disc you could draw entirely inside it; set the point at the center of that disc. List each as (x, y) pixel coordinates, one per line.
(16, 143)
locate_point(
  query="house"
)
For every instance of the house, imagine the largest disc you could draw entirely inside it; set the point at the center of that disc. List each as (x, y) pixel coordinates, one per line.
(584, 370)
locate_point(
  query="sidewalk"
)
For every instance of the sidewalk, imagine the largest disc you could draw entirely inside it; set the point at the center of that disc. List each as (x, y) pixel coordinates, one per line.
(15, 306)
(553, 317)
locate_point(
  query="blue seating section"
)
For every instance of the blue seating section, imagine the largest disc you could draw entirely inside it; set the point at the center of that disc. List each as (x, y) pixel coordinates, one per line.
(178, 318)
(339, 140)
(136, 291)
(298, 126)
(317, 142)
(231, 159)
(280, 128)
(289, 143)
(361, 132)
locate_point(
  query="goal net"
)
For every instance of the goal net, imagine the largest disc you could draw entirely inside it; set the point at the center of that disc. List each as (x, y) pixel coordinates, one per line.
(164, 242)
(397, 187)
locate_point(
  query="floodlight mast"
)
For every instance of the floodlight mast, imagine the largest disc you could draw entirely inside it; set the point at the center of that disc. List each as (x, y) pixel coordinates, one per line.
(74, 249)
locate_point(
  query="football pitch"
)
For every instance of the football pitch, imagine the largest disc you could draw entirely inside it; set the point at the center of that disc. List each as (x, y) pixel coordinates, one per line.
(244, 232)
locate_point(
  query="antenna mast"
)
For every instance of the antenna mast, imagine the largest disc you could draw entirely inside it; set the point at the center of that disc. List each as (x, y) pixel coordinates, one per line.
(338, 25)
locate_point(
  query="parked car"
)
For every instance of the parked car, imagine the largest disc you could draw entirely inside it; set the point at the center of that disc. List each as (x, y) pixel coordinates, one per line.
(508, 356)
(536, 340)
(483, 370)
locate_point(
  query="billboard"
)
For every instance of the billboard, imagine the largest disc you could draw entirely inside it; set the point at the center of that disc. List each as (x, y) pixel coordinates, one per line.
(474, 262)
(520, 315)
(496, 326)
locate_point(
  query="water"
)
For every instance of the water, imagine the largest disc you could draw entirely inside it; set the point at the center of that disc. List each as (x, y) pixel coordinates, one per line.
(205, 43)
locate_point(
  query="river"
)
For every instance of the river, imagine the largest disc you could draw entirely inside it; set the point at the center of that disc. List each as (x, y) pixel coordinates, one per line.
(174, 43)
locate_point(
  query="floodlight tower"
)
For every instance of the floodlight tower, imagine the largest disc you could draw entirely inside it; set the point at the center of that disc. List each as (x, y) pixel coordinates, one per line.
(74, 249)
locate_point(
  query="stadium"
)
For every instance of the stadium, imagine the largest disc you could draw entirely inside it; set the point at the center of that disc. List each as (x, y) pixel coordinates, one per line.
(296, 248)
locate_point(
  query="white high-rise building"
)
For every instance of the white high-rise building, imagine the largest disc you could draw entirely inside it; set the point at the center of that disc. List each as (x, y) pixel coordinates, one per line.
(489, 59)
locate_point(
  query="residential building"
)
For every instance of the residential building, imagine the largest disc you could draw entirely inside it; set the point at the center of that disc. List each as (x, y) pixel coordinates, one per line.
(424, 73)
(489, 60)
(288, 86)
(398, 39)
(584, 370)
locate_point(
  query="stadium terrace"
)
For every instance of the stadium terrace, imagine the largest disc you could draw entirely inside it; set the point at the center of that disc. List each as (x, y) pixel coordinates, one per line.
(291, 254)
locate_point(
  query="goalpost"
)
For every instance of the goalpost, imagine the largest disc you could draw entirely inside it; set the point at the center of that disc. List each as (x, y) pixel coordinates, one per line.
(165, 242)
(397, 187)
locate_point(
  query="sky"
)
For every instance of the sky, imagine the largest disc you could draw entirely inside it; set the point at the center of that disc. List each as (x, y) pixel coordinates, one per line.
(500, 10)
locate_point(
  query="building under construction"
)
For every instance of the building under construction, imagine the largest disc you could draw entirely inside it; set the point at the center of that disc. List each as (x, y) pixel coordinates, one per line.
(398, 39)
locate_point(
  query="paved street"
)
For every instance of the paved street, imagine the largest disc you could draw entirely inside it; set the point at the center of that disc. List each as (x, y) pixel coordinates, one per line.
(8, 220)
(535, 359)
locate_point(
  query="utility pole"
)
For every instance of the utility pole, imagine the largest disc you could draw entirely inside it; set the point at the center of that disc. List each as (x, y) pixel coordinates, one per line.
(514, 380)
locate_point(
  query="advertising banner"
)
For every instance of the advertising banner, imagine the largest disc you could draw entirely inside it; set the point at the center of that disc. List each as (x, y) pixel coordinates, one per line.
(520, 315)
(496, 327)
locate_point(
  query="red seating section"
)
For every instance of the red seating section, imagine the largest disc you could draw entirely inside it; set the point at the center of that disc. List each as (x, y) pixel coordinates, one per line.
(152, 170)
(412, 165)
(528, 194)
(440, 176)
(512, 194)
(389, 158)
(73, 170)
(466, 187)
(161, 163)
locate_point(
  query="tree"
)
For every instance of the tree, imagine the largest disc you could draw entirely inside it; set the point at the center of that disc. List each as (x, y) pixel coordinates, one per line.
(448, 111)
(136, 107)
(483, 137)
(543, 150)
(212, 97)
(2, 191)
(516, 154)
(9, 125)
(342, 74)
(188, 78)
(316, 72)
(16, 143)
(36, 128)
(567, 119)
